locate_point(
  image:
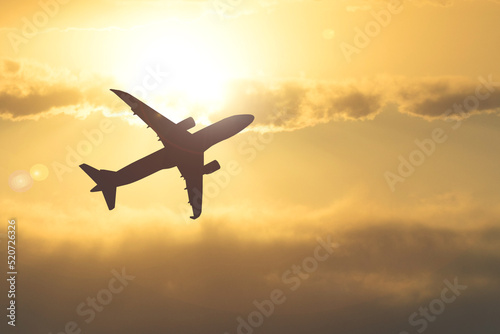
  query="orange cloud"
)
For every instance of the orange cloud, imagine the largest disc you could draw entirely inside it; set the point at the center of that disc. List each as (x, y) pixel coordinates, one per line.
(31, 90)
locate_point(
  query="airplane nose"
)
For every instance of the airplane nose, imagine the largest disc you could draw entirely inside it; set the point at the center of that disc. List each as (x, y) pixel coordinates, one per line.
(248, 118)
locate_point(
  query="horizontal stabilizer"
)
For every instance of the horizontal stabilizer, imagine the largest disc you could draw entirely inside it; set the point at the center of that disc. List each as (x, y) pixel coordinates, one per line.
(91, 171)
(102, 178)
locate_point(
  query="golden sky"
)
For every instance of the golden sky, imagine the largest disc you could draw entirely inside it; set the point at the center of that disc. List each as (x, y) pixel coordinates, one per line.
(376, 132)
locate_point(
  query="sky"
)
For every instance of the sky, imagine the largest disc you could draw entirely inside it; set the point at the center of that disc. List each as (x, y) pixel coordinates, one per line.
(364, 198)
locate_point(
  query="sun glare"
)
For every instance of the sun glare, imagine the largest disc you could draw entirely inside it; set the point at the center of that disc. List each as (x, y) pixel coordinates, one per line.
(179, 72)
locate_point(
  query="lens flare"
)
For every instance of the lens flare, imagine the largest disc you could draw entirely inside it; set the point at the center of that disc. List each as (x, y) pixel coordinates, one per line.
(20, 181)
(39, 172)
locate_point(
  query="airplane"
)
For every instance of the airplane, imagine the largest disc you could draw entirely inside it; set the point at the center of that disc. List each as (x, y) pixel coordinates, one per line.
(182, 149)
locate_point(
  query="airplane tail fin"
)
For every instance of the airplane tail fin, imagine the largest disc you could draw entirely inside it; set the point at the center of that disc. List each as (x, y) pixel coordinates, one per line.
(102, 179)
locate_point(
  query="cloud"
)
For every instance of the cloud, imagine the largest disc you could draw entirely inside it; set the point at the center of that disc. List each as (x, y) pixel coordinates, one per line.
(433, 98)
(356, 5)
(36, 102)
(10, 66)
(388, 261)
(212, 271)
(31, 90)
(294, 104)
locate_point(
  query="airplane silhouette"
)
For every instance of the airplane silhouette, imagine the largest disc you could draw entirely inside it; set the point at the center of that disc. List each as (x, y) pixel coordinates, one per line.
(183, 150)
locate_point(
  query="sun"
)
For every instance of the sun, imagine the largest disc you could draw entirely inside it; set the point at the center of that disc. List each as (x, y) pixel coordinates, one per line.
(182, 71)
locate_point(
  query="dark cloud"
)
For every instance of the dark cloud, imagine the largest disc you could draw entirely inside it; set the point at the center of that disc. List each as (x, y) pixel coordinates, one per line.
(29, 91)
(373, 281)
(354, 5)
(10, 66)
(439, 97)
(289, 105)
(357, 105)
(35, 103)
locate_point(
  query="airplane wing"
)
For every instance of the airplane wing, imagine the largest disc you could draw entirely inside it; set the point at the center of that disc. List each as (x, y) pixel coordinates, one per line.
(156, 121)
(192, 171)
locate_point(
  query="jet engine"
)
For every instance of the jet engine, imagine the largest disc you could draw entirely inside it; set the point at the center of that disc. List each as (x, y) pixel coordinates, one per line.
(186, 124)
(211, 167)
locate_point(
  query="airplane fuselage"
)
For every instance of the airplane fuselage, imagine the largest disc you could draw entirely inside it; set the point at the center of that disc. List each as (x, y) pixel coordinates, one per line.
(189, 147)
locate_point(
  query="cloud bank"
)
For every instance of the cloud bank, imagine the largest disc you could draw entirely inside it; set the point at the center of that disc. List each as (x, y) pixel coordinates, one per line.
(30, 90)
(201, 277)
